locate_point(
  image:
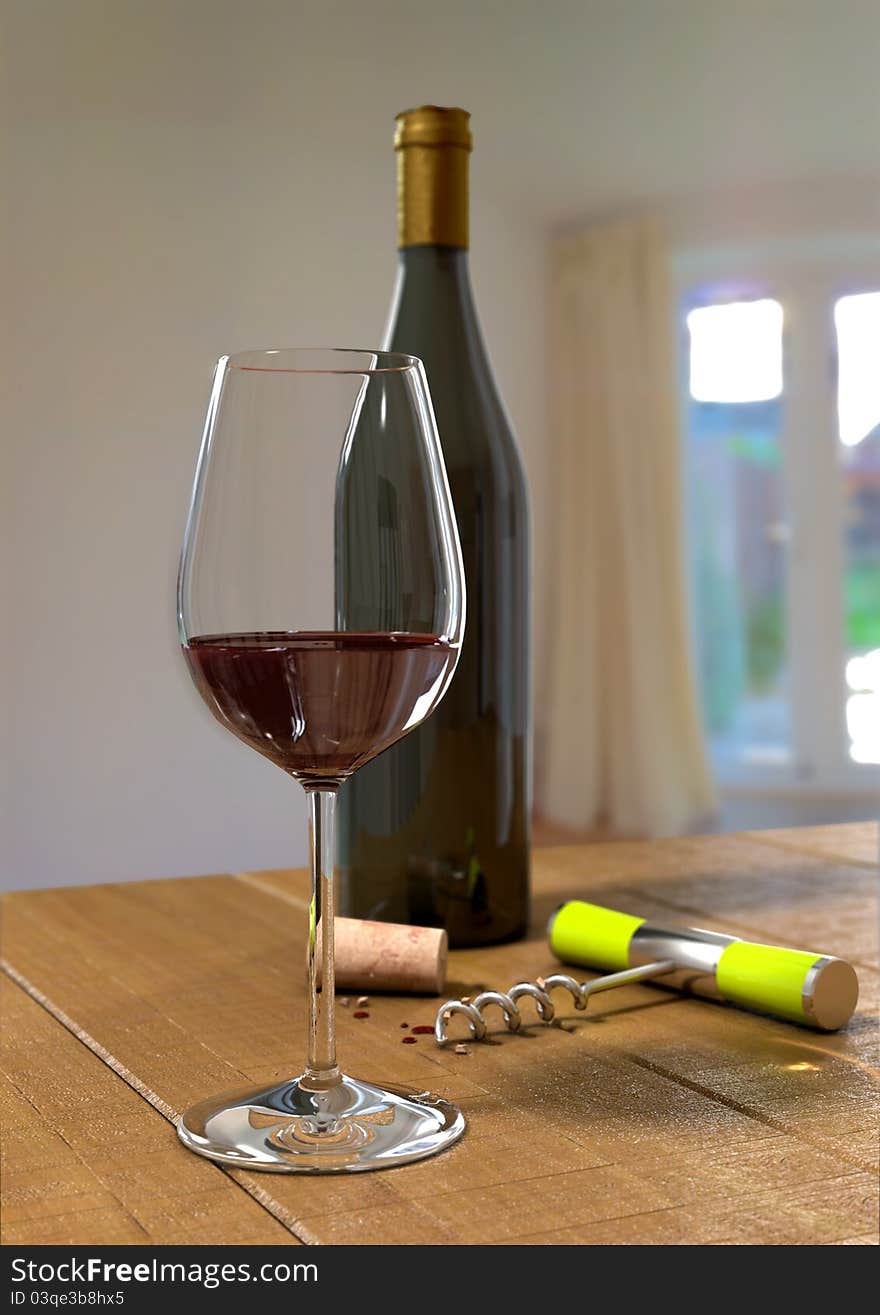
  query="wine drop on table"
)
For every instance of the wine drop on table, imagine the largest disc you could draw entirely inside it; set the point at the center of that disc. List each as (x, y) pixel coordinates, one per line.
(435, 831)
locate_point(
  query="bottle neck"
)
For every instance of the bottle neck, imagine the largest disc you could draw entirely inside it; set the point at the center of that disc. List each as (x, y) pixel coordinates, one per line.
(447, 264)
(434, 317)
(433, 294)
(432, 196)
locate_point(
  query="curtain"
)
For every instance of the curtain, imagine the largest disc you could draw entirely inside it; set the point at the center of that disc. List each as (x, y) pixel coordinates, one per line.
(624, 745)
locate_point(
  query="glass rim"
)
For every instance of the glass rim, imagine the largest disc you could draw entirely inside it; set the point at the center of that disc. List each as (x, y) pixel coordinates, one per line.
(320, 360)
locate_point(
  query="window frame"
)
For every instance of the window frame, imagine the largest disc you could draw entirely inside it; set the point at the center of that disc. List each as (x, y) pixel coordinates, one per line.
(807, 276)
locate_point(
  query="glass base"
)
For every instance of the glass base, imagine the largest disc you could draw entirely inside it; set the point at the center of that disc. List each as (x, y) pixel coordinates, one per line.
(346, 1128)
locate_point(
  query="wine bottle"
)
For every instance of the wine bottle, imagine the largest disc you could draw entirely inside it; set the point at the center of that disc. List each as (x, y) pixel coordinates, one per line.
(435, 831)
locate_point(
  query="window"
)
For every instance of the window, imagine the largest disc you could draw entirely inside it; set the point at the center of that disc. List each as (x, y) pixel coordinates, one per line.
(736, 504)
(736, 352)
(781, 408)
(857, 322)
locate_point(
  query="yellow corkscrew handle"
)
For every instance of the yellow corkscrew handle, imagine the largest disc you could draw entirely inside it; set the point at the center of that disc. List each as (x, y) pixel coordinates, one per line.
(794, 984)
(591, 936)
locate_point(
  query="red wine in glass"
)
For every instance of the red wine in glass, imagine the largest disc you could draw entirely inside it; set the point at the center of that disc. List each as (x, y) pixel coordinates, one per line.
(319, 704)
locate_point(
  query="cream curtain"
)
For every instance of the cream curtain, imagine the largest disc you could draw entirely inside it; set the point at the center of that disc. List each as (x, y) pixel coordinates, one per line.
(623, 744)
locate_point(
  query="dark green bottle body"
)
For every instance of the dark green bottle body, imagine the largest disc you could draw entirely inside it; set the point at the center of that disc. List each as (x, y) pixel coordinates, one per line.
(435, 831)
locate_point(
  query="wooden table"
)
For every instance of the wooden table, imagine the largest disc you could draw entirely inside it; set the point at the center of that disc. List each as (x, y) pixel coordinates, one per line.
(652, 1119)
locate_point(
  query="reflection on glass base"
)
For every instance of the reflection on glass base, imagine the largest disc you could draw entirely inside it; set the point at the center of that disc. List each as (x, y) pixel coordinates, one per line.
(349, 1127)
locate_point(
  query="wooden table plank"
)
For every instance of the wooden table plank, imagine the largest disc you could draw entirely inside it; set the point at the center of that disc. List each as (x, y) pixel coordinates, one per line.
(85, 1159)
(853, 842)
(627, 1125)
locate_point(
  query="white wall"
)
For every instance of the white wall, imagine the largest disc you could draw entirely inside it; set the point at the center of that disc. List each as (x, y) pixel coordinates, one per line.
(169, 203)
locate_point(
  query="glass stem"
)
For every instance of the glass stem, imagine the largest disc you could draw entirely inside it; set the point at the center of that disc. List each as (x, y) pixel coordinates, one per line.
(322, 1071)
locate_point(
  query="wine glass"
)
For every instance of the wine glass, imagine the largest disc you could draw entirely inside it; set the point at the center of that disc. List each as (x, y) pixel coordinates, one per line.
(321, 608)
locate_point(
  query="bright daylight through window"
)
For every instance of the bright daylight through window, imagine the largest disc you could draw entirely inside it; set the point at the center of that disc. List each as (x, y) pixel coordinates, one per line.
(736, 514)
(749, 456)
(857, 321)
(736, 352)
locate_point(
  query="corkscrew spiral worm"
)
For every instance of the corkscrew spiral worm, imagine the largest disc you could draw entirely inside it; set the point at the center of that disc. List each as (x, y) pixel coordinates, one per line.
(473, 1010)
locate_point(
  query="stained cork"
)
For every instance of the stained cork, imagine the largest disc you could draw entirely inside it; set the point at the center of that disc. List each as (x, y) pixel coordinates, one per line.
(385, 956)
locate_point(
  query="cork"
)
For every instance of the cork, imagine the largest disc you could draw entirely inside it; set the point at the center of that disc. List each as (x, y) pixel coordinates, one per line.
(385, 956)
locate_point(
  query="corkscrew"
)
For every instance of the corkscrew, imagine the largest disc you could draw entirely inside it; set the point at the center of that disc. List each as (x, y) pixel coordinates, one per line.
(800, 986)
(539, 991)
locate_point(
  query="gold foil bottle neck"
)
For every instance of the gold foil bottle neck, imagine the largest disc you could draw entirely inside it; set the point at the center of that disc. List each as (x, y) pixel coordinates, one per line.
(432, 145)
(433, 125)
